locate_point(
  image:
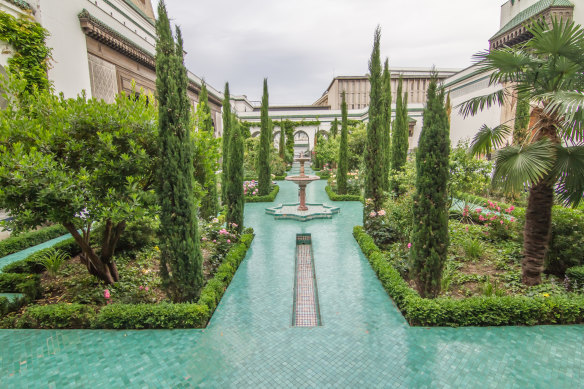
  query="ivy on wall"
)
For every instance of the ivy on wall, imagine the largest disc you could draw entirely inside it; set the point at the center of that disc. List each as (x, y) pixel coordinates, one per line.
(31, 55)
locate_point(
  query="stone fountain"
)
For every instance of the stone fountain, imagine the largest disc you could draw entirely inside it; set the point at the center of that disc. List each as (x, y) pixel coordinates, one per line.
(302, 211)
(302, 181)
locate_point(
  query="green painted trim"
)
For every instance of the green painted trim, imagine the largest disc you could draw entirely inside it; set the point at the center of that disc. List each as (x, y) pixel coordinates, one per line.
(132, 20)
(476, 72)
(137, 9)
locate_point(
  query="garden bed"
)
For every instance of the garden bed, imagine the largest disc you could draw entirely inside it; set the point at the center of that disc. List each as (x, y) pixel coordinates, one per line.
(263, 199)
(25, 240)
(75, 299)
(337, 197)
(542, 308)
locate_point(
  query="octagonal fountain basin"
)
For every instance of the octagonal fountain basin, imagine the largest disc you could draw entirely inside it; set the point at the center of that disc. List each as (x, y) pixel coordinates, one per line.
(313, 211)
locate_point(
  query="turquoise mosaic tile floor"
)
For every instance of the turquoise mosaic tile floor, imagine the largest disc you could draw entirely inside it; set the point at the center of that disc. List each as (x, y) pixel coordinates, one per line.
(363, 341)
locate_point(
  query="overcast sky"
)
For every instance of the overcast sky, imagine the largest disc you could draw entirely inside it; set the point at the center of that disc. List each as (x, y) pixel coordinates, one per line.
(300, 45)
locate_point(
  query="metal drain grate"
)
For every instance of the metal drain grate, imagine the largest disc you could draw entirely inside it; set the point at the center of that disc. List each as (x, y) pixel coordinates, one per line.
(306, 310)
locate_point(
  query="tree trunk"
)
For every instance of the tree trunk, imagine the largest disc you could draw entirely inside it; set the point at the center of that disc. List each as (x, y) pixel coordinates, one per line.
(537, 231)
(94, 263)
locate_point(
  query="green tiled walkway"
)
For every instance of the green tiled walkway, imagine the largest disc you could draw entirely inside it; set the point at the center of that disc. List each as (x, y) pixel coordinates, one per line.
(364, 341)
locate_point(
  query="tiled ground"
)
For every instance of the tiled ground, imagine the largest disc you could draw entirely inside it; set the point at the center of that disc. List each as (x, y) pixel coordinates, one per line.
(363, 342)
(305, 303)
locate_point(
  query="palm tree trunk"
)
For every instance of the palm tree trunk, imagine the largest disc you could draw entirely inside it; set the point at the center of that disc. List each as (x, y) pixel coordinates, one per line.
(537, 231)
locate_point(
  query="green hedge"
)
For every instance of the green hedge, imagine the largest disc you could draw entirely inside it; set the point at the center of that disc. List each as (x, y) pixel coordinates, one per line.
(474, 311)
(337, 197)
(280, 178)
(28, 239)
(30, 264)
(325, 174)
(264, 199)
(135, 316)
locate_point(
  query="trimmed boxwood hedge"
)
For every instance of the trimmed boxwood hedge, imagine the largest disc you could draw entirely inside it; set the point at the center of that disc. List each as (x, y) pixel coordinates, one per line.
(473, 311)
(30, 264)
(25, 240)
(576, 276)
(264, 199)
(337, 197)
(135, 316)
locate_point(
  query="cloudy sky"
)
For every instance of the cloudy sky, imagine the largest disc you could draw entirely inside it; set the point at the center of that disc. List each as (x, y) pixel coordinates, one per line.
(300, 45)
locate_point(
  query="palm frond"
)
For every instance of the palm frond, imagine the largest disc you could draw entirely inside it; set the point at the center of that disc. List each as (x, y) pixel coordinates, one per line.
(569, 172)
(570, 106)
(517, 168)
(488, 139)
(561, 39)
(472, 106)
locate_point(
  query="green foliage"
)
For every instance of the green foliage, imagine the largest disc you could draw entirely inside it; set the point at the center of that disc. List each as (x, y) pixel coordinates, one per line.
(282, 145)
(53, 261)
(430, 210)
(520, 130)
(31, 56)
(206, 156)
(567, 241)
(28, 239)
(374, 152)
(234, 192)
(53, 316)
(143, 316)
(334, 128)
(343, 162)
(475, 311)
(181, 259)
(467, 173)
(227, 117)
(473, 248)
(575, 276)
(264, 199)
(386, 122)
(399, 141)
(31, 265)
(77, 162)
(29, 284)
(339, 197)
(356, 143)
(264, 175)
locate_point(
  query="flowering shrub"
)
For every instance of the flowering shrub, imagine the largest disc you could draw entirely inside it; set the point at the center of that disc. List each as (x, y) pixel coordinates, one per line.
(250, 188)
(219, 239)
(497, 220)
(377, 225)
(353, 183)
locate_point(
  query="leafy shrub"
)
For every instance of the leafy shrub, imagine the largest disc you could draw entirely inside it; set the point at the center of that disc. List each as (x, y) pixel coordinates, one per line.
(53, 316)
(28, 239)
(163, 315)
(567, 242)
(472, 248)
(7, 305)
(53, 260)
(575, 276)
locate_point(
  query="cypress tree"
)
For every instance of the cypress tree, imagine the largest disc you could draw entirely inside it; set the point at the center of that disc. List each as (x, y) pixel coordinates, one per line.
(204, 162)
(521, 119)
(282, 144)
(343, 158)
(373, 149)
(335, 128)
(226, 135)
(264, 176)
(289, 137)
(180, 257)
(235, 200)
(399, 142)
(430, 209)
(386, 124)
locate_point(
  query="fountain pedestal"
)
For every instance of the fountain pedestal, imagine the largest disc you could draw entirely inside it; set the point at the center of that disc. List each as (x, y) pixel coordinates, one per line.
(302, 180)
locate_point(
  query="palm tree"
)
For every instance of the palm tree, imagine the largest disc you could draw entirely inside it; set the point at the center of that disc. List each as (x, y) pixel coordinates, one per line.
(549, 70)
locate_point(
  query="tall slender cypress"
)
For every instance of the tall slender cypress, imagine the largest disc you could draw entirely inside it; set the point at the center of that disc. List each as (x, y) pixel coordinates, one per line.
(386, 124)
(226, 135)
(264, 177)
(204, 162)
(335, 128)
(180, 257)
(235, 199)
(430, 209)
(282, 142)
(373, 148)
(343, 158)
(399, 142)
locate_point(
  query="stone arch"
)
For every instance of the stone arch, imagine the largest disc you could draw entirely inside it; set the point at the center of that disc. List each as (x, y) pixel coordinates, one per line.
(276, 138)
(301, 141)
(255, 134)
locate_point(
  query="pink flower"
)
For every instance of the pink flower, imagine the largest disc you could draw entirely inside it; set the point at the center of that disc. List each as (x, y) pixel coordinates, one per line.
(372, 214)
(147, 289)
(409, 245)
(381, 213)
(512, 219)
(106, 294)
(229, 241)
(481, 218)
(203, 238)
(479, 210)
(501, 221)
(214, 240)
(511, 208)
(141, 287)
